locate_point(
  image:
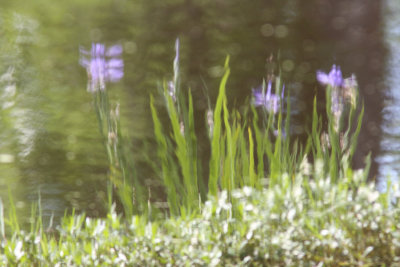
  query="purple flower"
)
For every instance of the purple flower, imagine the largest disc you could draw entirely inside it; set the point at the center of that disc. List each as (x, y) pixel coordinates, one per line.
(269, 101)
(342, 90)
(102, 65)
(333, 78)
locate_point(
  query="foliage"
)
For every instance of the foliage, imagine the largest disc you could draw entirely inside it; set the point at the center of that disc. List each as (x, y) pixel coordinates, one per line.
(122, 173)
(305, 223)
(270, 201)
(234, 142)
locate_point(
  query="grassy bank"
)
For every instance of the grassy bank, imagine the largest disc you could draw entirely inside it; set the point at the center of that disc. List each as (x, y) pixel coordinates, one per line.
(304, 223)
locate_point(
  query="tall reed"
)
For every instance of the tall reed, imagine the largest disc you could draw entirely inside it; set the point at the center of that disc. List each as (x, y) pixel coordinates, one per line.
(104, 65)
(344, 112)
(180, 177)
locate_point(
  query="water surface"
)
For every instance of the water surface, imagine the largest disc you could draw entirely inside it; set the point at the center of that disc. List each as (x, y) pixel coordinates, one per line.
(49, 139)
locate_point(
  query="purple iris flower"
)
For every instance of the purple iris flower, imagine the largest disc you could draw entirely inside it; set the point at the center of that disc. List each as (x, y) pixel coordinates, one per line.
(269, 101)
(334, 78)
(341, 90)
(102, 65)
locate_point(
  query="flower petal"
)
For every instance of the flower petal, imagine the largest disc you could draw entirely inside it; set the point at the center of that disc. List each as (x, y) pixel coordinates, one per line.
(114, 75)
(114, 51)
(323, 78)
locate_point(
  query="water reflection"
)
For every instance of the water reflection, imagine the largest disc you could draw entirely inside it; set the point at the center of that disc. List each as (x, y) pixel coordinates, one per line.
(389, 160)
(44, 143)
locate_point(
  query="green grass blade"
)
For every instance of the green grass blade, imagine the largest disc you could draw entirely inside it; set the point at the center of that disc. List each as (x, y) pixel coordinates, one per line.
(252, 174)
(162, 153)
(215, 160)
